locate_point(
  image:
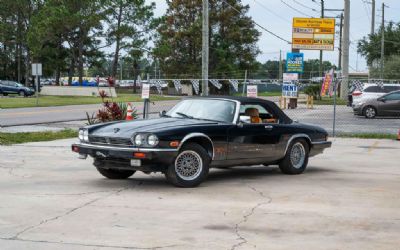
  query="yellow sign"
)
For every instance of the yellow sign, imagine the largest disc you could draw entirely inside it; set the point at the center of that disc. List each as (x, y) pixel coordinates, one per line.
(313, 33)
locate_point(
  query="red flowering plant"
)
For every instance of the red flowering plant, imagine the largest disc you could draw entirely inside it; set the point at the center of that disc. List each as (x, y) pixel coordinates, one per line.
(111, 111)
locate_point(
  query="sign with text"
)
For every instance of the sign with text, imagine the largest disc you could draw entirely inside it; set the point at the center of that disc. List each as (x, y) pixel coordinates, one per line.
(327, 83)
(295, 62)
(252, 91)
(313, 33)
(289, 90)
(289, 77)
(145, 91)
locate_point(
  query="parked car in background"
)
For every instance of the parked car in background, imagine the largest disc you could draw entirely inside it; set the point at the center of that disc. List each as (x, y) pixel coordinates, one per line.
(201, 133)
(372, 91)
(386, 105)
(11, 87)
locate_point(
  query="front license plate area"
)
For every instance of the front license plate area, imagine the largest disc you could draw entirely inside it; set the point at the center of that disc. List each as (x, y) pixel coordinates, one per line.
(136, 163)
(101, 154)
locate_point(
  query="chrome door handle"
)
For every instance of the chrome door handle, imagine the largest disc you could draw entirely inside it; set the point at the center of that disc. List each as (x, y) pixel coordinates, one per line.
(268, 127)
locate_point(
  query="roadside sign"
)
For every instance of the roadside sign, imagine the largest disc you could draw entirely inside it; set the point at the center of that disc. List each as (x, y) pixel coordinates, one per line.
(313, 33)
(289, 90)
(252, 91)
(327, 82)
(36, 69)
(295, 62)
(289, 77)
(145, 91)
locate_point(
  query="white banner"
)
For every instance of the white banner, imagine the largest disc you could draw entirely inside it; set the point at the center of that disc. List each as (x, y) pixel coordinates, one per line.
(235, 84)
(216, 83)
(196, 86)
(177, 84)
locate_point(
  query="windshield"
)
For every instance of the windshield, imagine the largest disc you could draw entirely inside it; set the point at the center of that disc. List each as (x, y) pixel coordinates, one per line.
(204, 109)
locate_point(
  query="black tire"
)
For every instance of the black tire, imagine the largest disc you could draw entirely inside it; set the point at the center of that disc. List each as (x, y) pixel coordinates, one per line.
(21, 93)
(114, 174)
(287, 166)
(190, 153)
(370, 112)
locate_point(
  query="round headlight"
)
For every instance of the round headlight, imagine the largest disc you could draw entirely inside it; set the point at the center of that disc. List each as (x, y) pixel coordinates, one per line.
(80, 135)
(152, 140)
(138, 139)
(86, 135)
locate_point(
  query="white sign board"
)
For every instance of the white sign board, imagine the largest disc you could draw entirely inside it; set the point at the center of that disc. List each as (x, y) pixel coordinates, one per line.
(288, 77)
(145, 91)
(289, 90)
(252, 91)
(36, 69)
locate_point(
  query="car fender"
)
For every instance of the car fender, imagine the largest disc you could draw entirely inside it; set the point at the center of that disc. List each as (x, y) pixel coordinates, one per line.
(197, 135)
(296, 136)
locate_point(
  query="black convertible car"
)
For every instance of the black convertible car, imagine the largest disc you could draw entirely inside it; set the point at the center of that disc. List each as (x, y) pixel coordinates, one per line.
(201, 133)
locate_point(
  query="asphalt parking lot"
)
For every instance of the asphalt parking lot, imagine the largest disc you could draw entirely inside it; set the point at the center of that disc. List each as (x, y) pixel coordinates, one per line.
(347, 199)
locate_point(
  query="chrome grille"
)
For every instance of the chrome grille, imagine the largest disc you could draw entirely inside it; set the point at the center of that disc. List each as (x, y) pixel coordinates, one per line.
(110, 140)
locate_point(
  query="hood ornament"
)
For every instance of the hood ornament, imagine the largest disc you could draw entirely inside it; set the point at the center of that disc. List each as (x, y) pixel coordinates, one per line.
(116, 130)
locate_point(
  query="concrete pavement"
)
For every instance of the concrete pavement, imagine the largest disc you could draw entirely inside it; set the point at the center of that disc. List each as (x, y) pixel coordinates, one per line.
(347, 199)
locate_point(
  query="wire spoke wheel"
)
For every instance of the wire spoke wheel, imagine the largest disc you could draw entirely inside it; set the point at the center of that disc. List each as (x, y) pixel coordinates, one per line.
(297, 155)
(188, 165)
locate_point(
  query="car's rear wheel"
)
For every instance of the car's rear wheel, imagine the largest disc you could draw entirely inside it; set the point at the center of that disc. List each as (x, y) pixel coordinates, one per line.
(21, 93)
(190, 167)
(370, 112)
(296, 158)
(114, 174)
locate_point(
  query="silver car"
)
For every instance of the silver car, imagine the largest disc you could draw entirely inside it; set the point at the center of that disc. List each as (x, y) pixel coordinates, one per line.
(386, 105)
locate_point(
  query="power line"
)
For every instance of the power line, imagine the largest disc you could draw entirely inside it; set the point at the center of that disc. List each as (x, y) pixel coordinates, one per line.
(305, 6)
(273, 12)
(263, 28)
(298, 11)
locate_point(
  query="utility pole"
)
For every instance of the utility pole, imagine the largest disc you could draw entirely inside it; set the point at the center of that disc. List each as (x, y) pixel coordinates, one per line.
(340, 42)
(280, 66)
(345, 51)
(373, 17)
(383, 40)
(205, 49)
(321, 52)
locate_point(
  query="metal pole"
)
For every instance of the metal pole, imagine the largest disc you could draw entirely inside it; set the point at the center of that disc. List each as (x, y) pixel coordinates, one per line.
(37, 87)
(383, 40)
(373, 17)
(205, 49)
(340, 42)
(334, 108)
(345, 51)
(244, 83)
(280, 66)
(321, 52)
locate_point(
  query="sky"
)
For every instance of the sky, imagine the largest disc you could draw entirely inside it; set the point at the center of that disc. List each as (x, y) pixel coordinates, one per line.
(277, 16)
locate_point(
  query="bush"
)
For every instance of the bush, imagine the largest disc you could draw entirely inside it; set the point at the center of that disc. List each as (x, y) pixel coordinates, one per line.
(313, 90)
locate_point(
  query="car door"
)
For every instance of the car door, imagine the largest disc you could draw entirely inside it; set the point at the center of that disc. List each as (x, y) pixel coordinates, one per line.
(7, 87)
(252, 141)
(390, 105)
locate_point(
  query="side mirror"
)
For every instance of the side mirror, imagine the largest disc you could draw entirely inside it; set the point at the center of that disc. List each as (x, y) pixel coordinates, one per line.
(382, 99)
(163, 113)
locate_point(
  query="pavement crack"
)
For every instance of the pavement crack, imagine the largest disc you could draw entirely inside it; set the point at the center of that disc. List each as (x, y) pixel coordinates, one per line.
(241, 239)
(91, 245)
(17, 235)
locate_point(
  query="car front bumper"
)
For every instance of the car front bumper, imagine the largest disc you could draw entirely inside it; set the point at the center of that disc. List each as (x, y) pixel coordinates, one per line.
(149, 159)
(319, 147)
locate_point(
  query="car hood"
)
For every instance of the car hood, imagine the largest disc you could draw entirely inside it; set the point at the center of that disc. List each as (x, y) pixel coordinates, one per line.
(126, 129)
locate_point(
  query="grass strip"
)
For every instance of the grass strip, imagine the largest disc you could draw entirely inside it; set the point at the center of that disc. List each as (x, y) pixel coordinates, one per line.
(18, 138)
(368, 136)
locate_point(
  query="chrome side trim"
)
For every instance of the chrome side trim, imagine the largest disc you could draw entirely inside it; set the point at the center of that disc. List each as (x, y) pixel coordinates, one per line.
(194, 135)
(294, 137)
(91, 146)
(320, 142)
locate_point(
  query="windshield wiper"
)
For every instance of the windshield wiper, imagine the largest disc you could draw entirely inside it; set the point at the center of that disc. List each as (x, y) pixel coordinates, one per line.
(185, 115)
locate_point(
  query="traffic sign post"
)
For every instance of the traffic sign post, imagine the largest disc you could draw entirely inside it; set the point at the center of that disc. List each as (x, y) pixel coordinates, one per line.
(146, 98)
(37, 71)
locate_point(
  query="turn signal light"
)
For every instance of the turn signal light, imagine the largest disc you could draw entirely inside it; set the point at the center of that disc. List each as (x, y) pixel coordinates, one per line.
(139, 155)
(174, 144)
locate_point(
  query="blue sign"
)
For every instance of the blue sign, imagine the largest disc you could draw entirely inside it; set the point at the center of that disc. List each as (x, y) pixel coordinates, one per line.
(289, 90)
(295, 63)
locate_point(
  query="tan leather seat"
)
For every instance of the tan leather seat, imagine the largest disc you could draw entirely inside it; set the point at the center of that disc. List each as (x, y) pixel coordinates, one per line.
(254, 115)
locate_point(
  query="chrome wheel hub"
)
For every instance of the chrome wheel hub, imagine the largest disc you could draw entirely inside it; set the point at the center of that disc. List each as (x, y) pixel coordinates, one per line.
(297, 155)
(188, 165)
(370, 112)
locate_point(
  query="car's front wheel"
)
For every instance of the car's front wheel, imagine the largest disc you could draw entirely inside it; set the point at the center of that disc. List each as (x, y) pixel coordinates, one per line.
(370, 112)
(21, 93)
(190, 167)
(296, 158)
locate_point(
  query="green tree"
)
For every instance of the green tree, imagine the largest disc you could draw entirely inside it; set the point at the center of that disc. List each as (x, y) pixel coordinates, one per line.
(370, 46)
(233, 39)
